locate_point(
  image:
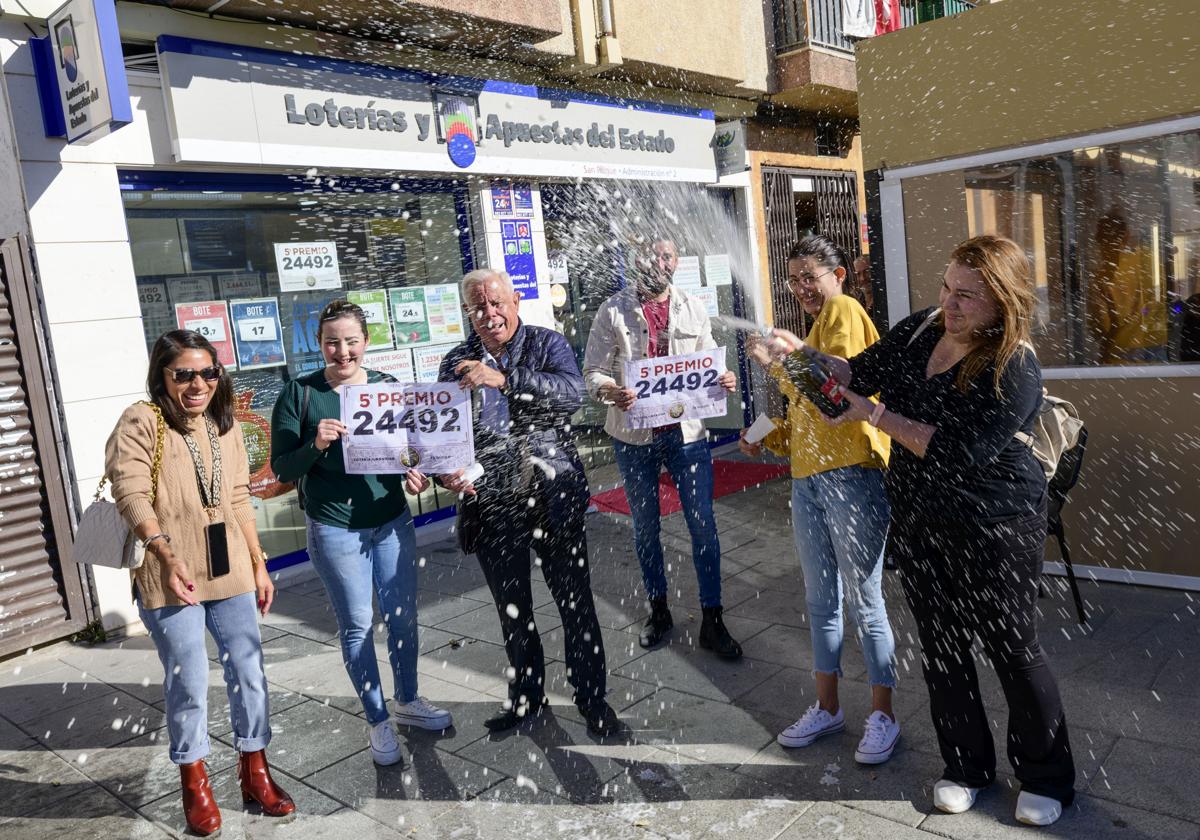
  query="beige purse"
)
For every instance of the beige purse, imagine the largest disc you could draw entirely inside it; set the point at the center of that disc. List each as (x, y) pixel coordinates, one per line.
(103, 538)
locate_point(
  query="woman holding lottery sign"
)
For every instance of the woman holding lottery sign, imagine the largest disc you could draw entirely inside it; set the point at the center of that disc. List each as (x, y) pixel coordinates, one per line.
(839, 506)
(359, 543)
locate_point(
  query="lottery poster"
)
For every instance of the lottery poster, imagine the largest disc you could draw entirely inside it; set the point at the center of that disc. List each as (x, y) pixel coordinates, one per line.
(427, 314)
(394, 427)
(210, 318)
(374, 304)
(516, 239)
(674, 388)
(399, 363)
(258, 333)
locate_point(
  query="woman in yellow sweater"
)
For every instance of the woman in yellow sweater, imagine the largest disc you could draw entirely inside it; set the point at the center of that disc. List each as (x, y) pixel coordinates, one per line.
(839, 508)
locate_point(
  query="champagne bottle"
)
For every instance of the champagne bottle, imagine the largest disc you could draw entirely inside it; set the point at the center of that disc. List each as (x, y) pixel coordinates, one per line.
(814, 380)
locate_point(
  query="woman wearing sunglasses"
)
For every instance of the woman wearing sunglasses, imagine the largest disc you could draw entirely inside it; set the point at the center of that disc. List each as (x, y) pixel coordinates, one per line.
(361, 538)
(203, 564)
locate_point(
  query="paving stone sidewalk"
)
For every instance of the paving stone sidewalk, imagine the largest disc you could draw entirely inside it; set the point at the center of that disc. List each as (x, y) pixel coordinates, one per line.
(83, 750)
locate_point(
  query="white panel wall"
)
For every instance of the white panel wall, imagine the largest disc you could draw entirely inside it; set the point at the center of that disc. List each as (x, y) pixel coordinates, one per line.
(85, 271)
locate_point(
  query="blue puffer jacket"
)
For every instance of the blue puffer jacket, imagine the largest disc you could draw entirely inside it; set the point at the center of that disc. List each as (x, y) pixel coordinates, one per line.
(544, 389)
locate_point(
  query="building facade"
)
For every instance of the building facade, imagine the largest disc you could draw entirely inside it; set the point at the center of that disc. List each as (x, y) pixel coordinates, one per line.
(272, 164)
(1075, 130)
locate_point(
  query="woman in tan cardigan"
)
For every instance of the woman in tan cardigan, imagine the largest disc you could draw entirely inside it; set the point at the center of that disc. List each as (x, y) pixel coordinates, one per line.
(203, 563)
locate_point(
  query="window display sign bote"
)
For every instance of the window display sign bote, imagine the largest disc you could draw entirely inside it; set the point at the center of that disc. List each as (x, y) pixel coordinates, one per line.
(249, 106)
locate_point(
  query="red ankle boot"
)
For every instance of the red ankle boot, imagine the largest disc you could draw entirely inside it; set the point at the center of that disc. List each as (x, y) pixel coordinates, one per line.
(199, 808)
(258, 786)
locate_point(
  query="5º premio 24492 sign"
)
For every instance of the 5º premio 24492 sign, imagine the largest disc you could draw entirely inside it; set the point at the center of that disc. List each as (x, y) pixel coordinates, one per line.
(394, 427)
(673, 388)
(304, 266)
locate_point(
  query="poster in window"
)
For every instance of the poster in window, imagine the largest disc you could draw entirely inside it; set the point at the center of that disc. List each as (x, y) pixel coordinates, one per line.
(427, 314)
(388, 248)
(301, 324)
(516, 239)
(304, 266)
(398, 363)
(193, 289)
(210, 318)
(687, 273)
(374, 304)
(427, 360)
(254, 398)
(257, 333)
(244, 284)
(215, 244)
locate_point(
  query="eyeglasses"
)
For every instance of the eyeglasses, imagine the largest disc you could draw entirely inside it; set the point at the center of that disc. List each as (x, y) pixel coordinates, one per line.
(806, 279)
(208, 374)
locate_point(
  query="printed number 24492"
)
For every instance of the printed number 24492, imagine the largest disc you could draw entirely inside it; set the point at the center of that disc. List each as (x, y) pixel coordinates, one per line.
(427, 421)
(682, 382)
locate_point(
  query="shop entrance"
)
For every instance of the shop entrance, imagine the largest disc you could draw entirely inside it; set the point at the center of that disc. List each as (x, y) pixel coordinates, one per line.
(800, 202)
(41, 597)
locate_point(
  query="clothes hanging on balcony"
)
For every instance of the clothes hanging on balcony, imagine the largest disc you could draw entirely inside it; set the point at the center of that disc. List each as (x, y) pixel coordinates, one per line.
(887, 16)
(858, 18)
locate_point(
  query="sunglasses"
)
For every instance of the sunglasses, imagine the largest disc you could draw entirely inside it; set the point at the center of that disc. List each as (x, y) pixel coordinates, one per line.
(208, 374)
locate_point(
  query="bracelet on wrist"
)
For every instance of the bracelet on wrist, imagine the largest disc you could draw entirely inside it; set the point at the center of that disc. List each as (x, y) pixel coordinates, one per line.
(155, 537)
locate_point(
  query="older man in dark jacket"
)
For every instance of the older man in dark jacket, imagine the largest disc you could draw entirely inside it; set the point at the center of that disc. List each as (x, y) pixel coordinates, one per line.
(533, 494)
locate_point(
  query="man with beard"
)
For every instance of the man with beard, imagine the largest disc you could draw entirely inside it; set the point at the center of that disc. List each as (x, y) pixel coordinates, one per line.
(533, 494)
(649, 318)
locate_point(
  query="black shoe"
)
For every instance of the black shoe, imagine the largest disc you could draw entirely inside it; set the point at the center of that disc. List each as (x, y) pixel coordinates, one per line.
(657, 625)
(715, 637)
(601, 719)
(513, 715)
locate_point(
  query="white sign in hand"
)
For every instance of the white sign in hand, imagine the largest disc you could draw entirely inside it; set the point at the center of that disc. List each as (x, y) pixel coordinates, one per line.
(392, 427)
(674, 388)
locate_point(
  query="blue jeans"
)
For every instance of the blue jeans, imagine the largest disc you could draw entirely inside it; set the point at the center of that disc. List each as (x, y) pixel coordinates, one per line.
(691, 469)
(353, 564)
(178, 634)
(840, 521)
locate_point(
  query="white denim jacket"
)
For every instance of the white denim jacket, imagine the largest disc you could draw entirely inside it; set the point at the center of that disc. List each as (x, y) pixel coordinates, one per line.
(620, 334)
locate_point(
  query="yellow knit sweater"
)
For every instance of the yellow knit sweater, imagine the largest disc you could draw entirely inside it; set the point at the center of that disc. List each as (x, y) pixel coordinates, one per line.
(128, 458)
(842, 329)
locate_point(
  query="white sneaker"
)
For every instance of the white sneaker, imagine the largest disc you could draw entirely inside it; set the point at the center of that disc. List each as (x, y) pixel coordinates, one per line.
(385, 749)
(1035, 809)
(812, 725)
(879, 739)
(953, 798)
(423, 715)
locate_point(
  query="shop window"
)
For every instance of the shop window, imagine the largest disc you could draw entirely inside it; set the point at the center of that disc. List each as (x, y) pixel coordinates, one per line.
(1113, 235)
(252, 260)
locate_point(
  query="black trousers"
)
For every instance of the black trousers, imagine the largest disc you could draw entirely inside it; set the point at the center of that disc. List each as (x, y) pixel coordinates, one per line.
(972, 579)
(554, 529)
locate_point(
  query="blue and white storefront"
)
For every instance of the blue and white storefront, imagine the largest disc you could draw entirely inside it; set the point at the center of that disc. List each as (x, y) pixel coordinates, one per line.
(253, 186)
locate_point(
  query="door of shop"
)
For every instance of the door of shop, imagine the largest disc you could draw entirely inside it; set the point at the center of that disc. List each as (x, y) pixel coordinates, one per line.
(41, 597)
(799, 202)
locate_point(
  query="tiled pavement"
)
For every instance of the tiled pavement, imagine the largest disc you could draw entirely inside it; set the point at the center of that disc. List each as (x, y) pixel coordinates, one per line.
(83, 753)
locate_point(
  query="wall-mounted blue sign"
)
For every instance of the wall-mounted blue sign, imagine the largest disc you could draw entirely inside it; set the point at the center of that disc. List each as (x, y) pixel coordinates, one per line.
(516, 238)
(80, 72)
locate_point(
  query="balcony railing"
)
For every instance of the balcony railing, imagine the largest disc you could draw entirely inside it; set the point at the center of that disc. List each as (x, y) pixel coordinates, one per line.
(803, 23)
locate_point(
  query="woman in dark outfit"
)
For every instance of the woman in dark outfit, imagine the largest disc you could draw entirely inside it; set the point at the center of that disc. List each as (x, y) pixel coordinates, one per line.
(969, 517)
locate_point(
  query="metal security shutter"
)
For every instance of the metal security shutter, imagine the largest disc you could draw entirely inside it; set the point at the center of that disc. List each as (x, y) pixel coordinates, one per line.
(38, 601)
(837, 209)
(780, 213)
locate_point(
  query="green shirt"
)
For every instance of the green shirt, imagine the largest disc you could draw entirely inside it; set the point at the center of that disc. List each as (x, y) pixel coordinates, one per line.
(330, 495)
